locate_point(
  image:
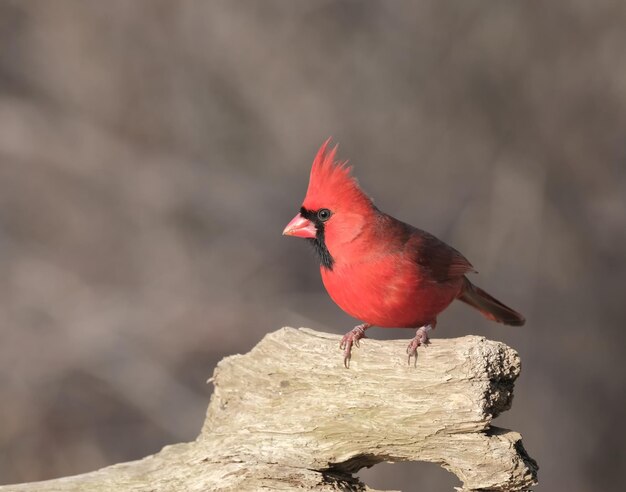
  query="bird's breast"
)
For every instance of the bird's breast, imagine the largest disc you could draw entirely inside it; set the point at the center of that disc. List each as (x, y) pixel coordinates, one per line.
(387, 291)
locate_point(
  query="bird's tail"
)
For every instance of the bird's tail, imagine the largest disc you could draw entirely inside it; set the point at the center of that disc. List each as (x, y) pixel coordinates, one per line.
(488, 306)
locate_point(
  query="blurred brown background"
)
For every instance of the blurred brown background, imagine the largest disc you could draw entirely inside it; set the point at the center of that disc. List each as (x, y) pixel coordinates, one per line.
(151, 153)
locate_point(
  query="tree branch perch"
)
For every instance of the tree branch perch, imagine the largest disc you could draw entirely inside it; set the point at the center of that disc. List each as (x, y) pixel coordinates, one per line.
(288, 415)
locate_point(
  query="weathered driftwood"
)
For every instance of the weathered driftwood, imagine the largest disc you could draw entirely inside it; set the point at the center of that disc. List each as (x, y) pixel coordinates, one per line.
(288, 415)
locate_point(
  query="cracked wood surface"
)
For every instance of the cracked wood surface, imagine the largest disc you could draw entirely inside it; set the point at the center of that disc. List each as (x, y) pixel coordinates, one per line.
(288, 415)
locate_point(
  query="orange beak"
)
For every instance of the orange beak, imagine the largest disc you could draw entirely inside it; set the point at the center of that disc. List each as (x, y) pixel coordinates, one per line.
(300, 227)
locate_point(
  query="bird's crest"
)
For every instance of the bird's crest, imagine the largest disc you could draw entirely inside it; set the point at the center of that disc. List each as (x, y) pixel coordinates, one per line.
(331, 183)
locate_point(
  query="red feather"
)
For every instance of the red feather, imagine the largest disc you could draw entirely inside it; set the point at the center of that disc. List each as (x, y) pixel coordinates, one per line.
(331, 183)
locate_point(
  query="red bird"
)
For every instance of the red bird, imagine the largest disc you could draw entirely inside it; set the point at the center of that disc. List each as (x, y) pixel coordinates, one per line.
(378, 269)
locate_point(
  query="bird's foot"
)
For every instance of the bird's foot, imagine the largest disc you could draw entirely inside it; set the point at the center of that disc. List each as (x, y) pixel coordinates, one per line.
(421, 338)
(352, 338)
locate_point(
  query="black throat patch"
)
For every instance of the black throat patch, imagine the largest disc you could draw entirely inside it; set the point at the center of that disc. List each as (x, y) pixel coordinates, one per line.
(318, 242)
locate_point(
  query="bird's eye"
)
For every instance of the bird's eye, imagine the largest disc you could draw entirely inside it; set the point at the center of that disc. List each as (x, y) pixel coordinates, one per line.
(324, 214)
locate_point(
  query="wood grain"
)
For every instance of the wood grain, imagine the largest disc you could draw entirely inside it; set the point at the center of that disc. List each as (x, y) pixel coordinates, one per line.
(288, 415)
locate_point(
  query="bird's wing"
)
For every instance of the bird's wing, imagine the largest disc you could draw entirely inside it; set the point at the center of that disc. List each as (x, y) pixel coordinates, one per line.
(439, 260)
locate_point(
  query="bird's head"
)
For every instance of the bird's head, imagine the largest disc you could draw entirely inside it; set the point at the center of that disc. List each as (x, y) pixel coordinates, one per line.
(334, 210)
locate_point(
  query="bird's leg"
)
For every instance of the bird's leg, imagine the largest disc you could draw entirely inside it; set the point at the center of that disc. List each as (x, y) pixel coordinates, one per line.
(352, 338)
(421, 338)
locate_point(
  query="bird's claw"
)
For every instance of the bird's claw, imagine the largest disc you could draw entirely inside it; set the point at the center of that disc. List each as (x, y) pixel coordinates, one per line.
(421, 338)
(349, 339)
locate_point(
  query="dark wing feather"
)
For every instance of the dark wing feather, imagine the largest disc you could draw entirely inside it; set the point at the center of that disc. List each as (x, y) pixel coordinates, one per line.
(438, 260)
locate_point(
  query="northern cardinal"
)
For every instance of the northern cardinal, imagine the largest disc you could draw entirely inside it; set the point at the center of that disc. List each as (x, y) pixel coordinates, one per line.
(378, 269)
